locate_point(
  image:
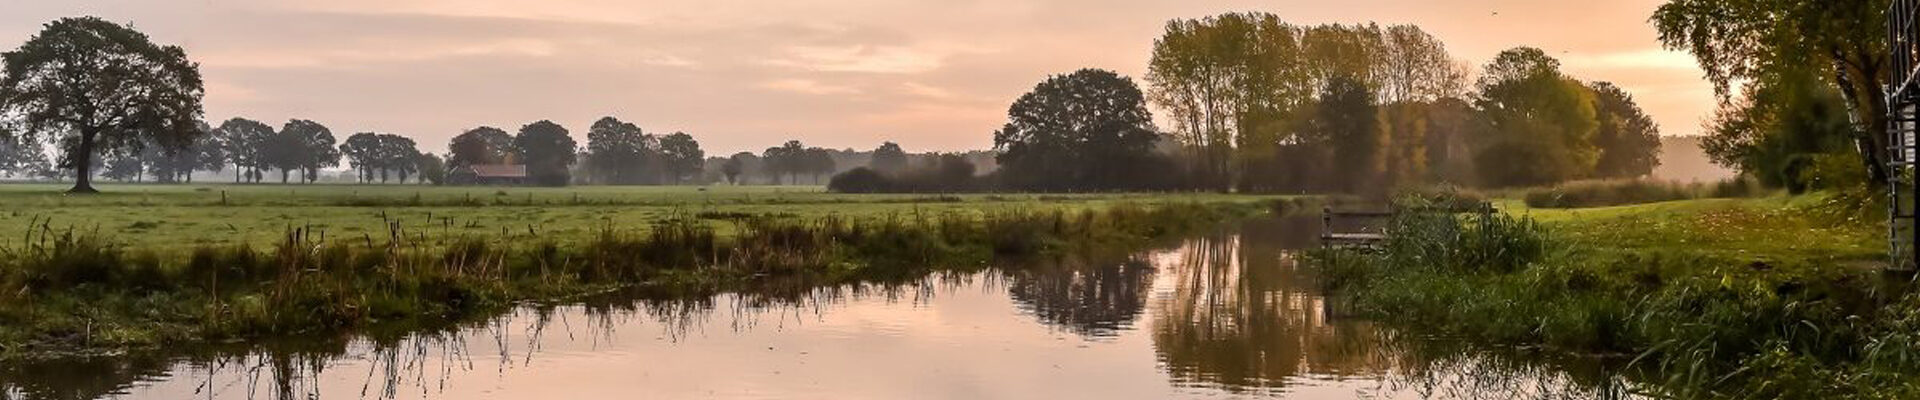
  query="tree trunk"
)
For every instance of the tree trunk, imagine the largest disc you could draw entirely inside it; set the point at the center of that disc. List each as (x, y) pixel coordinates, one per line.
(1867, 101)
(83, 165)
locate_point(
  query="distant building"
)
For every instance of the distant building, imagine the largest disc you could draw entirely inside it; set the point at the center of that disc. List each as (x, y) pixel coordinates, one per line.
(488, 174)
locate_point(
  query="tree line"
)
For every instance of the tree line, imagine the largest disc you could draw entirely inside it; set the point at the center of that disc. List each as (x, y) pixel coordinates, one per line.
(1255, 104)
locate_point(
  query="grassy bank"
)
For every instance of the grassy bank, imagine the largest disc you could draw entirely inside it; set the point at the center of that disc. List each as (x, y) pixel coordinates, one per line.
(180, 218)
(1756, 298)
(74, 291)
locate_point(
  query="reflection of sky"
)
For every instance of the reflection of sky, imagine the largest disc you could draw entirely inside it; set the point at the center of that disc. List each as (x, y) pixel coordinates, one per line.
(968, 341)
(747, 74)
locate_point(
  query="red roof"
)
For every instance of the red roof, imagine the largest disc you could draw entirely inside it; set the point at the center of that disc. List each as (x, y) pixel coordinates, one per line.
(499, 170)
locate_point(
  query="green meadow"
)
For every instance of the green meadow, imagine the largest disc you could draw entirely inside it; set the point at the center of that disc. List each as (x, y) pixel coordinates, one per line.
(182, 217)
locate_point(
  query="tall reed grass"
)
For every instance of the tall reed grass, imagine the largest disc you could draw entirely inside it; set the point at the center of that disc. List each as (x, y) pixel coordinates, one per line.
(78, 291)
(1616, 192)
(1693, 326)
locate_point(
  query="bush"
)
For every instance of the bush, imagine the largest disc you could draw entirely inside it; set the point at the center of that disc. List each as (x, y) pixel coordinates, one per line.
(1603, 193)
(860, 180)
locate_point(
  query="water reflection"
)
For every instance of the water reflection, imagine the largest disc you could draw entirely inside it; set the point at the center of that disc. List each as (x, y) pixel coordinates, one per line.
(1089, 301)
(1223, 315)
(1239, 318)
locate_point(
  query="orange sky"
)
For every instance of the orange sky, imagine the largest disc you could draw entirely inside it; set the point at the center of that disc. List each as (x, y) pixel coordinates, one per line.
(745, 75)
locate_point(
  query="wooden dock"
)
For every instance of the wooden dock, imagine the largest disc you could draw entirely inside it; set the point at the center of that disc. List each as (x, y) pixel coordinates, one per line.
(1368, 229)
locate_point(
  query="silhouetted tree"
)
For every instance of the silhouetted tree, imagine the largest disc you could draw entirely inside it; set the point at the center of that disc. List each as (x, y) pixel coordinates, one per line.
(396, 154)
(482, 145)
(1087, 130)
(432, 168)
(618, 152)
(680, 157)
(243, 140)
(1349, 118)
(547, 151)
(90, 86)
(784, 160)
(362, 153)
(303, 146)
(888, 158)
(736, 165)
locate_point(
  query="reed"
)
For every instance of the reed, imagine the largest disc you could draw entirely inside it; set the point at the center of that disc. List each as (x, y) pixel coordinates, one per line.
(1694, 324)
(77, 291)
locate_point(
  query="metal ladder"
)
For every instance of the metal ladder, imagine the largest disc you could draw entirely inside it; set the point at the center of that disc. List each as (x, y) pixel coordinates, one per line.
(1903, 119)
(1902, 124)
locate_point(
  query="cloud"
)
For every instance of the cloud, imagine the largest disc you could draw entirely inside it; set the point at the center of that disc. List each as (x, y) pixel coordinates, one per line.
(860, 58)
(808, 86)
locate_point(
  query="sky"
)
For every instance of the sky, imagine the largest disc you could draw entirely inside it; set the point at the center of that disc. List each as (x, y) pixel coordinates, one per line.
(932, 75)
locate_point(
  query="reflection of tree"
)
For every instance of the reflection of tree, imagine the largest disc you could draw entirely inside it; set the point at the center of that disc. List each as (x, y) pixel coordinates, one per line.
(1233, 314)
(1090, 301)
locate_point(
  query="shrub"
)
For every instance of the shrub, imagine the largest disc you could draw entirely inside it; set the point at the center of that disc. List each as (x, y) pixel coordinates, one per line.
(1603, 193)
(860, 180)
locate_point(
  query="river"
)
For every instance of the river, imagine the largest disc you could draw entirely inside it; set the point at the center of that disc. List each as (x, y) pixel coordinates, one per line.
(1226, 314)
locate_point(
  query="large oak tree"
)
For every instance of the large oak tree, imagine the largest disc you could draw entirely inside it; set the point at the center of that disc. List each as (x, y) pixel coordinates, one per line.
(91, 85)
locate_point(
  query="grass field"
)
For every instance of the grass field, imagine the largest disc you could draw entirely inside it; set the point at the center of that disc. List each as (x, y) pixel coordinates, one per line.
(1779, 228)
(1774, 297)
(180, 217)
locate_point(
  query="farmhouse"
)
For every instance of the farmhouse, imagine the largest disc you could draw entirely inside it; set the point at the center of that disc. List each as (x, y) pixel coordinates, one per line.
(488, 174)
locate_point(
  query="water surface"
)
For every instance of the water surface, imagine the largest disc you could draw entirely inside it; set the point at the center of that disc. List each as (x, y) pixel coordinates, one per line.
(1223, 315)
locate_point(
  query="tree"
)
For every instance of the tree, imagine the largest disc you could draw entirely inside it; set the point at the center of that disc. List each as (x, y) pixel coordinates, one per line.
(816, 162)
(618, 152)
(547, 151)
(736, 165)
(1782, 131)
(785, 159)
(681, 157)
(396, 154)
(432, 168)
(18, 158)
(1534, 125)
(363, 154)
(1743, 42)
(482, 145)
(1085, 130)
(1628, 140)
(92, 86)
(203, 153)
(1349, 119)
(888, 159)
(303, 146)
(243, 139)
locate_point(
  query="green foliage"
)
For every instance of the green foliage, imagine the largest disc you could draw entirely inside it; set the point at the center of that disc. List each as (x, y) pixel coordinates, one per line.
(1629, 141)
(1088, 130)
(1790, 132)
(1757, 317)
(1750, 45)
(1534, 125)
(1603, 193)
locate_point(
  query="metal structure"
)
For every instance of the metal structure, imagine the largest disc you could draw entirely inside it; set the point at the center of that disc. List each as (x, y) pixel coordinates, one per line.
(1903, 119)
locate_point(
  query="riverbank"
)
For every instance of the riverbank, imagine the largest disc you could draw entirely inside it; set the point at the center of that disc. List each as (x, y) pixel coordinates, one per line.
(1747, 298)
(76, 293)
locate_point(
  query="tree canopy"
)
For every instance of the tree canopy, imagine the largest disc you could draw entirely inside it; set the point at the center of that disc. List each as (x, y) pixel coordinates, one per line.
(90, 85)
(1088, 130)
(547, 151)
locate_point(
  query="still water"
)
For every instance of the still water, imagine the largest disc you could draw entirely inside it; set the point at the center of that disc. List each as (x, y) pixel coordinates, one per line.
(1223, 315)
